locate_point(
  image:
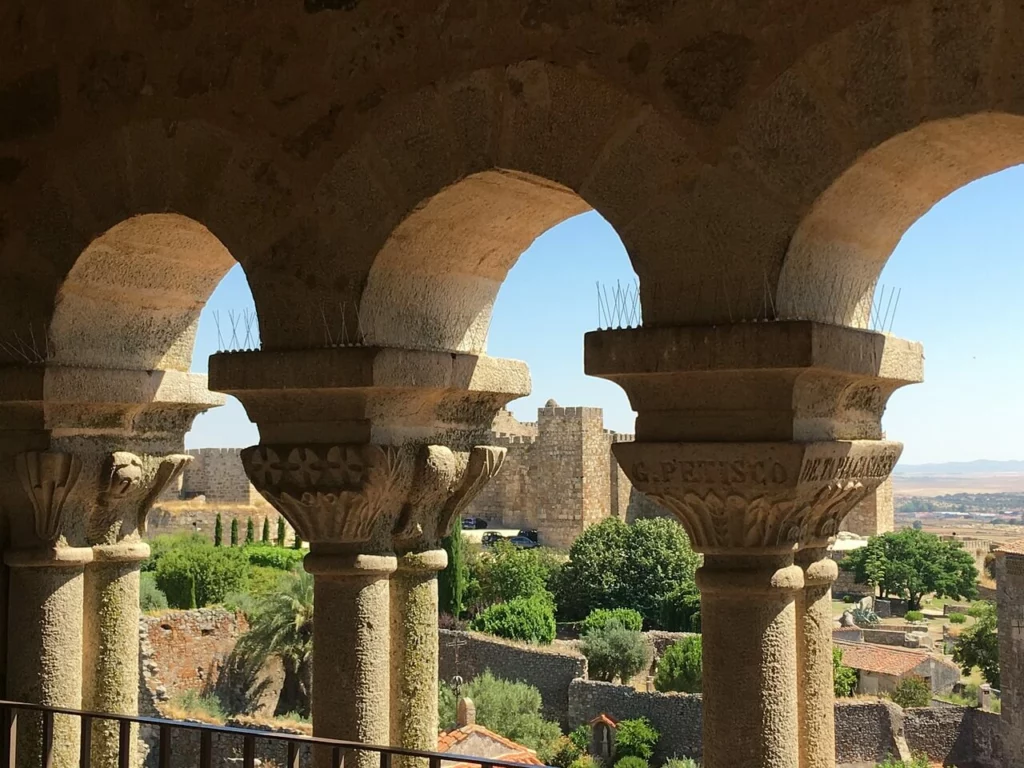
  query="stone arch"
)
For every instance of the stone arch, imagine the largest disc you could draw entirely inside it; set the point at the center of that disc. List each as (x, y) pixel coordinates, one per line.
(450, 184)
(114, 245)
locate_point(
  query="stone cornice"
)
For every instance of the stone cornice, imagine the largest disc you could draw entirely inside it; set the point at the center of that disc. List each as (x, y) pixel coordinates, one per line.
(736, 497)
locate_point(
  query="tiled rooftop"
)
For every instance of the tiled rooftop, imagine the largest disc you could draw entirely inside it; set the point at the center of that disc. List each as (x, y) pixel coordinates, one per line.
(881, 659)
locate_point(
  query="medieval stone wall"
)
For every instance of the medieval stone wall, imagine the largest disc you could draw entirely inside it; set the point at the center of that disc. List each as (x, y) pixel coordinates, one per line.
(217, 474)
(874, 515)
(1010, 602)
(549, 670)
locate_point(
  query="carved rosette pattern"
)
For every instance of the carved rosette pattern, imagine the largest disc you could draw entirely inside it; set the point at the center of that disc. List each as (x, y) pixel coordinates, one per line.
(48, 479)
(444, 483)
(332, 493)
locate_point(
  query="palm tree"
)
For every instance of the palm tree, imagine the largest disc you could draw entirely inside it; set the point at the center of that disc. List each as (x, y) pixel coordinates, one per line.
(282, 625)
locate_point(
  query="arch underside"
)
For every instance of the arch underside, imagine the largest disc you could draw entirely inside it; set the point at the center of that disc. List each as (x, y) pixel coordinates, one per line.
(753, 165)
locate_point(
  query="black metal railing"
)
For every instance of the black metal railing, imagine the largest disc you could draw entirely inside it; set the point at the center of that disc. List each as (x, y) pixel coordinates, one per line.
(42, 733)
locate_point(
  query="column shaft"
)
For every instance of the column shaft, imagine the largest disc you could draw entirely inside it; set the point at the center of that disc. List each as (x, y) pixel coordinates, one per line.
(351, 652)
(748, 619)
(414, 649)
(44, 659)
(111, 668)
(814, 659)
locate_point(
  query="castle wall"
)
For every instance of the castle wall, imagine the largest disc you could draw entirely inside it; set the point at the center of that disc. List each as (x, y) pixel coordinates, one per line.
(217, 474)
(874, 515)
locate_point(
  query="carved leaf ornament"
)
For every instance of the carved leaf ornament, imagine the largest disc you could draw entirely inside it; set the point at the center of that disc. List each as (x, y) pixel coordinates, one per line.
(48, 479)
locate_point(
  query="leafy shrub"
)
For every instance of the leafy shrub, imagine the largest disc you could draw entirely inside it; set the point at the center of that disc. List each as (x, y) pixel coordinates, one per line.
(914, 616)
(626, 617)
(680, 669)
(613, 651)
(848, 599)
(586, 761)
(978, 645)
(681, 762)
(267, 556)
(529, 619)
(264, 581)
(161, 545)
(864, 617)
(580, 736)
(510, 709)
(507, 573)
(631, 762)
(150, 596)
(635, 738)
(197, 576)
(957, 618)
(561, 753)
(918, 762)
(912, 692)
(194, 704)
(844, 679)
(680, 611)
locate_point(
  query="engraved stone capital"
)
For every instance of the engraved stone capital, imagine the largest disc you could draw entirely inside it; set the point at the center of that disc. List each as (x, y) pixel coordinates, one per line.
(444, 484)
(128, 485)
(48, 478)
(339, 494)
(735, 497)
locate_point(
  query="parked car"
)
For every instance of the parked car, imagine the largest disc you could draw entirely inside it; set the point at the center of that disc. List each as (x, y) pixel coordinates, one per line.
(531, 534)
(473, 523)
(523, 542)
(490, 538)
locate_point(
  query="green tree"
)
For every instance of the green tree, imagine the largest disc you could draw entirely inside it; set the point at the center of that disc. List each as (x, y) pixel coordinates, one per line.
(530, 619)
(507, 572)
(615, 565)
(200, 574)
(218, 531)
(280, 531)
(911, 563)
(614, 651)
(297, 541)
(680, 611)
(844, 679)
(978, 645)
(510, 709)
(265, 538)
(912, 692)
(250, 532)
(234, 532)
(599, 618)
(151, 598)
(451, 582)
(635, 738)
(629, 761)
(282, 625)
(681, 667)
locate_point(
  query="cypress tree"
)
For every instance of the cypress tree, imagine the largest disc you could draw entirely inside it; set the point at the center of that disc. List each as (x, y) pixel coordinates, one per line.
(234, 532)
(451, 582)
(266, 531)
(218, 532)
(280, 531)
(297, 543)
(250, 532)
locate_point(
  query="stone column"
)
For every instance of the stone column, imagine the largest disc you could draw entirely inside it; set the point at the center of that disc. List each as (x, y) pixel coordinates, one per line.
(129, 484)
(44, 649)
(748, 625)
(1010, 619)
(760, 438)
(814, 658)
(445, 483)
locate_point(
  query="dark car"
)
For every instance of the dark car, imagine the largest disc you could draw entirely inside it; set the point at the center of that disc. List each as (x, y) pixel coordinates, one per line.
(523, 542)
(490, 538)
(473, 523)
(531, 534)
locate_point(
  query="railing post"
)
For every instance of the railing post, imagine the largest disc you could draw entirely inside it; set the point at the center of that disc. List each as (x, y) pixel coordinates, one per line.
(47, 739)
(249, 752)
(85, 751)
(205, 749)
(165, 746)
(124, 744)
(10, 722)
(293, 754)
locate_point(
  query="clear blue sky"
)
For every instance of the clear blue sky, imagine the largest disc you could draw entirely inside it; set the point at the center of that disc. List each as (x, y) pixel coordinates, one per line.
(961, 280)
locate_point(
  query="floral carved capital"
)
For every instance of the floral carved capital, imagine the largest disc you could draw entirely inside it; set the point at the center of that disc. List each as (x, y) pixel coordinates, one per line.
(48, 479)
(763, 496)
(445, 482)
(331, 493)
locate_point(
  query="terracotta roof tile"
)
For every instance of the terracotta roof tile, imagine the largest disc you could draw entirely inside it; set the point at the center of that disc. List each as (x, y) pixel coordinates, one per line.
(1013, 548)
(517, 753)
(883, 660)
(603, 718)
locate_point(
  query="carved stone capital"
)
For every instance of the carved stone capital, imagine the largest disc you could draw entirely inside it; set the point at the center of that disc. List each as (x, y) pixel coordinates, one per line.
(340, 494)
(444, 484)
(128, 485)
(48, 478)
(735, 497)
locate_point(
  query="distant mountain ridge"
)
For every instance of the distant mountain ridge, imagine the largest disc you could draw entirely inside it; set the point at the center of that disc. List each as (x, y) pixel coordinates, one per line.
(976, 467)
